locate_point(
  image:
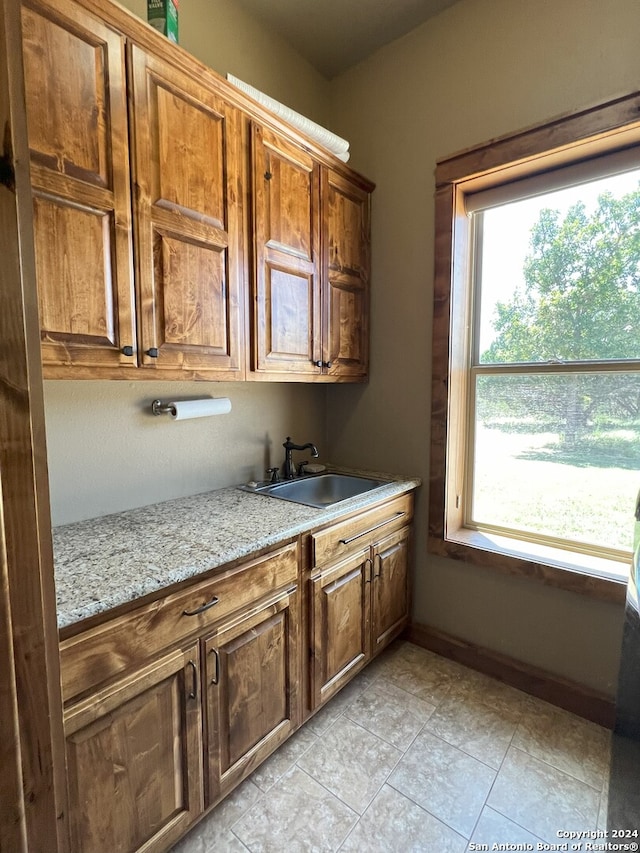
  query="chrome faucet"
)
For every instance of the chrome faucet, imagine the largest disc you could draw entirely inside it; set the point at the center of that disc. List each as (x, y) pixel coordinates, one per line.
(289, 467)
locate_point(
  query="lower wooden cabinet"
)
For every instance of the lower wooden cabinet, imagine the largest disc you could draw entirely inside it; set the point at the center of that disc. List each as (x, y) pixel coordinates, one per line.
(340, 625)
(134, 758)
(172, 704)
(359, 593)
(251, 690)
(389, 589)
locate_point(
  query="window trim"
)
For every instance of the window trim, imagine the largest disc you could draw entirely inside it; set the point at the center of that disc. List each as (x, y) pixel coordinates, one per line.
(601, 130)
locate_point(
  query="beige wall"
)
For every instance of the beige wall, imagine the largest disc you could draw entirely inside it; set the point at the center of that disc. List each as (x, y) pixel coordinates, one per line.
(226, 38)
(106, 453)
(481, 69)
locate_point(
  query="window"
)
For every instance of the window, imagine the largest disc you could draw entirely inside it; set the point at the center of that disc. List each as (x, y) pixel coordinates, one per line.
(536, 387)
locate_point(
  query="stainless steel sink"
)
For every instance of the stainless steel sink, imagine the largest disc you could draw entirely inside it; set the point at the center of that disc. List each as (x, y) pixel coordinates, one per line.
(320, 490)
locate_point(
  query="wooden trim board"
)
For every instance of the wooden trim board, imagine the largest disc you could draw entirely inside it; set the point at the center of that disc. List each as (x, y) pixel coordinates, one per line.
(537, 682)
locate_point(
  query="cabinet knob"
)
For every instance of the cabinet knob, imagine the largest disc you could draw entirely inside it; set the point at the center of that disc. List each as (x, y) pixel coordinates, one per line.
(322, 364)
(267, 176)
(153, 352)
(127, 350)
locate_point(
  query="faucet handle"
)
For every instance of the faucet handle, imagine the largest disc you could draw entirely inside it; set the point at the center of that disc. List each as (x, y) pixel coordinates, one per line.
(275, 474)
(301, 465)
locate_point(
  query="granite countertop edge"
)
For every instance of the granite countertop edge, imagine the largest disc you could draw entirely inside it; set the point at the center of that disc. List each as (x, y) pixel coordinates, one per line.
(112, 560)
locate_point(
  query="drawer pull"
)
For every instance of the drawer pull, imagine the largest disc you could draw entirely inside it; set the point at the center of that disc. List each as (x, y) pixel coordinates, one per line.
(193, 693)
(371, 529)
(202, 608)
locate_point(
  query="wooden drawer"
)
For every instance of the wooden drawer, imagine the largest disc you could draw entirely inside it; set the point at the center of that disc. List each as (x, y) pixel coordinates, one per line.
(360, 531)
(90, 658)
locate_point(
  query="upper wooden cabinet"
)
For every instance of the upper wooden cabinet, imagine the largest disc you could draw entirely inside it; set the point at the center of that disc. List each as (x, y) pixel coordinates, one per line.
(78, 136)
(145, 167)
(311, 233)
(185, 170)
(345, 273)
(286, 232)
(178, 151)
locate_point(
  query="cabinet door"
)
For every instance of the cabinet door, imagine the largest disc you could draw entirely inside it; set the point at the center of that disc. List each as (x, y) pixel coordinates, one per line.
(252, 699)
(286, 323)
(390, 590)
(345, 276)
(188, 212)
(77, 123)
(340, 629)
(134, 759)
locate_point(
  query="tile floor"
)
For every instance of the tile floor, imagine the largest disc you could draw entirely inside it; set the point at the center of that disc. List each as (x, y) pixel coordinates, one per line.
(418, 754)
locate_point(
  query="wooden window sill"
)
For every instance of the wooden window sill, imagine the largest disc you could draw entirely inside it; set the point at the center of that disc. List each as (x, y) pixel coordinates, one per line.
(596, 577)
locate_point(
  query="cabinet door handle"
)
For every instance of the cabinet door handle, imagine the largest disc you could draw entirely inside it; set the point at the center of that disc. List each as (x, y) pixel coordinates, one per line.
(369, 564)
(202, 607)
(193, 693)
(371, 529)
(216, 665)
(378, 559)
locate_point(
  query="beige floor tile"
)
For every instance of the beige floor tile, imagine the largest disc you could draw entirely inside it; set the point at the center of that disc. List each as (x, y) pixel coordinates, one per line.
(541, 798)
(445, 781)
(351, 762)
(481, 730)
(213, 832)
(488, 691)
(395, 824)
(495, 829)
(390, 713)
(203, 841)
(283, 758)
(422, 673)
(322, 721)
(296, 814)
(604, 804)
(565, 741)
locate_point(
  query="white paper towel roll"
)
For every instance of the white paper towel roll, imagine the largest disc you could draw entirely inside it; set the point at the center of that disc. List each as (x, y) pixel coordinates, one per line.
(185, 409)
(336, 144)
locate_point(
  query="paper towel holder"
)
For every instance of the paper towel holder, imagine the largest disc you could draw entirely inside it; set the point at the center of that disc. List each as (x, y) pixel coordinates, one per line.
(197, 408)
(160, 408)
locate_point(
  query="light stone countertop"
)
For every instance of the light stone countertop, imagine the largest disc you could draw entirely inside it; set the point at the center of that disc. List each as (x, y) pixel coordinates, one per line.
(112, 560)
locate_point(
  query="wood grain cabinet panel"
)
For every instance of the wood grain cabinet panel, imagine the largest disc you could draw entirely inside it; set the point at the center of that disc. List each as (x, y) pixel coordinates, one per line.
(187, 214)
(345, 276)
(359, 592)
(389, 588)
(77, 123)
(340, 629)
(286, 236)
(134, 759)
(143, 245)
(252, 700)
(311, 233)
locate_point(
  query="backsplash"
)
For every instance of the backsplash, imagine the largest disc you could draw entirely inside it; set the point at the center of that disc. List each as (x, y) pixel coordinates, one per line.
(107, 452)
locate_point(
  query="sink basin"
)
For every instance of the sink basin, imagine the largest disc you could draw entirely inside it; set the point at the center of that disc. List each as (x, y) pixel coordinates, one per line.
(321, 490)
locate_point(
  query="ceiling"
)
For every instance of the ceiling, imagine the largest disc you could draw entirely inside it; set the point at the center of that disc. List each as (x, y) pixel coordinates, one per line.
(333, 35)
